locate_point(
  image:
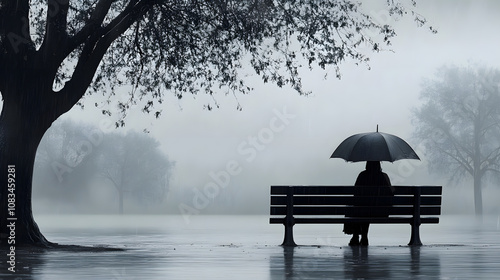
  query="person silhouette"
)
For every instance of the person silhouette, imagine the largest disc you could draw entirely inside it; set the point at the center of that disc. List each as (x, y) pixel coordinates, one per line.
(371, 176)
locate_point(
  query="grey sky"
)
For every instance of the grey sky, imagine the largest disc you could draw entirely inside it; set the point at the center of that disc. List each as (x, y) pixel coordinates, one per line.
(264, 149)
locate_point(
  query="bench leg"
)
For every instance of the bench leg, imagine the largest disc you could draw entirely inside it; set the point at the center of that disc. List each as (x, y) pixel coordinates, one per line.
(289, 220)
(415, 235)
(288, 240)
(415, 224)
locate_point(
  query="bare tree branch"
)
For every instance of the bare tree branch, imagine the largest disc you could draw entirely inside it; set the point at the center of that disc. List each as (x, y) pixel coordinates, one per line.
(55, 39)
(95, 49)
(93, 24)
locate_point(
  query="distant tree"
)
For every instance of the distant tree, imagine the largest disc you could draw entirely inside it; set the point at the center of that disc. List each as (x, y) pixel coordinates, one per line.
(71, 156)
(54, 52)
(65, 160)
(135, 166)
(459, 124)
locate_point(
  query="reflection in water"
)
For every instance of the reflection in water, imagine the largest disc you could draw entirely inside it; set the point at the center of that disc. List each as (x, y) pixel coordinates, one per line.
(354, 263)
(83, 263)
(27, 264)
(160, 247)
(361, 262)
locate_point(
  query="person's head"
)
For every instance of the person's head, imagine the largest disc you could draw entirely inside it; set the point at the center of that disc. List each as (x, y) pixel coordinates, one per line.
(373, 166)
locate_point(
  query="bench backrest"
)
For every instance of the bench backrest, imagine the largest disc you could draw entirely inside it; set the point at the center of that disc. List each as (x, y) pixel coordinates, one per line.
(356, 200)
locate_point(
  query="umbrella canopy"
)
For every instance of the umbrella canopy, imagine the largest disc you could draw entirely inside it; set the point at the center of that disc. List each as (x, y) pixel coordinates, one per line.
(374, 146)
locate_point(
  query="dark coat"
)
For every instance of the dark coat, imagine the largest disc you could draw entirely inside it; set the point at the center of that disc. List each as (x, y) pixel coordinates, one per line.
(372, 176)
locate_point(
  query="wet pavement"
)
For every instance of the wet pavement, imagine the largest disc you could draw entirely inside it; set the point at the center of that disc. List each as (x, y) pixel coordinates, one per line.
(247, 247)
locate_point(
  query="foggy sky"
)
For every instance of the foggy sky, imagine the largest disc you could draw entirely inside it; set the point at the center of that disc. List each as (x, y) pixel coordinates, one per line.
(282, 138)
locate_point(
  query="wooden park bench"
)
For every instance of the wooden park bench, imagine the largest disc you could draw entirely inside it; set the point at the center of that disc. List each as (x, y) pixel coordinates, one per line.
(412, 205)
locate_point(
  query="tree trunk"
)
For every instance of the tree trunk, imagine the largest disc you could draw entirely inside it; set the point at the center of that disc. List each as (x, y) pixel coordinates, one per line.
(120, 201)
(20, 133)
(478, 196)
(477, 173)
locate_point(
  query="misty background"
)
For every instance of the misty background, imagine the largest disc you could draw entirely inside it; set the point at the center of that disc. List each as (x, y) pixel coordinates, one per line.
(224, 160)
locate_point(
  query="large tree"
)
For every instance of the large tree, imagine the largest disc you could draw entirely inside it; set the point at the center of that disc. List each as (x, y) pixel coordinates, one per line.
(54, 52)
(459, 124)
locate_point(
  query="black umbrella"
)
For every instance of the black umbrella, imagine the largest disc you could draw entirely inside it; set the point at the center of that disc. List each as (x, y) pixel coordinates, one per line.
(374, 146)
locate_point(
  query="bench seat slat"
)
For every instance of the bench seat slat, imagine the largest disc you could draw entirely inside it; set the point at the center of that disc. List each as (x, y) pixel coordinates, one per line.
(392, 220)
(356, 210)
(359, 200)
(339, 190)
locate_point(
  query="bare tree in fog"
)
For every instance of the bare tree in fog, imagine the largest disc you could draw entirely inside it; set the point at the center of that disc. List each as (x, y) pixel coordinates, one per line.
(73, 156)
(52, 53)
(65, 161)
(459, 124)
(135, 166)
